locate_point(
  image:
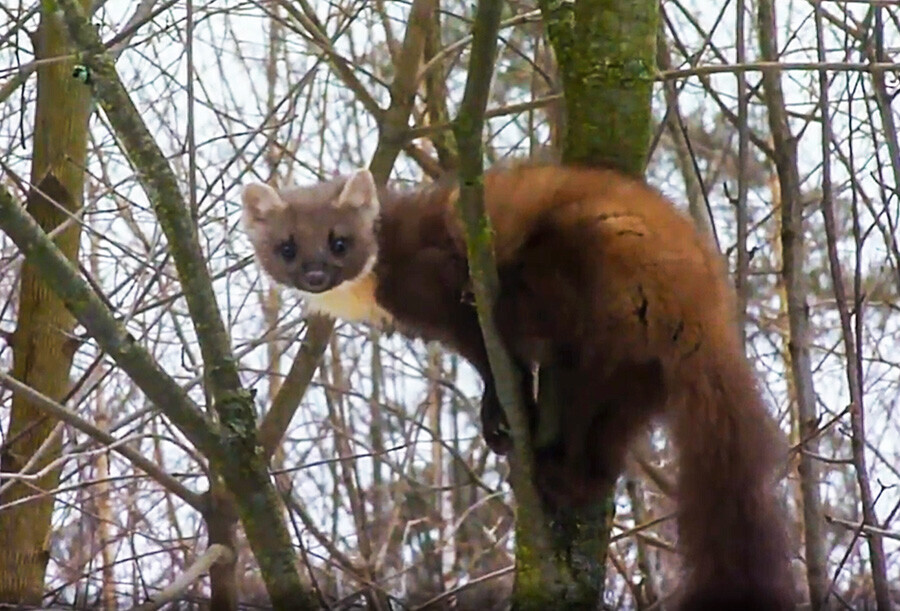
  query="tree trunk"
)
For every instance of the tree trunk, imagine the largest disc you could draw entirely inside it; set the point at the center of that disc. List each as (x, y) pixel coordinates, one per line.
(606, 53)
(42, 347)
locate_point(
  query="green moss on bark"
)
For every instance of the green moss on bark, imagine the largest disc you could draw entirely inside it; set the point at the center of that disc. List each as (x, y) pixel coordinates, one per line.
(606, 51)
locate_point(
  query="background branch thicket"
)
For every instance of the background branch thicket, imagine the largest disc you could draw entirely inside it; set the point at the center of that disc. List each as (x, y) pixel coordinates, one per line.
(158, 360)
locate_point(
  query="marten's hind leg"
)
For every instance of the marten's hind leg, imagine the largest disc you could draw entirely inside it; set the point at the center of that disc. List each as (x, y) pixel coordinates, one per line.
(599, 418)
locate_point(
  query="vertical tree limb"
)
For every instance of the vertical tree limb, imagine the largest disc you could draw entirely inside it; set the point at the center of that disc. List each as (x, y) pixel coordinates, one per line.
(41, 346)
(853, 360)
(606, 55)
(394, 124)
(436, 96)
(549, 571)
(785, 152)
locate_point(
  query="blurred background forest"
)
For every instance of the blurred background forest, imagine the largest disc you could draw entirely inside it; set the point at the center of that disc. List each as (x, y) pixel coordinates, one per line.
(391, 496)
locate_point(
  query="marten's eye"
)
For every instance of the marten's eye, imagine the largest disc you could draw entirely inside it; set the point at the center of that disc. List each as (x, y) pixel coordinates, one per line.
(288, 249)
(338, 244)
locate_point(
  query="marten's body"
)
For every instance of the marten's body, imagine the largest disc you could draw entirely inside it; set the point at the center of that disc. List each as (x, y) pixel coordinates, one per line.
(606, 281)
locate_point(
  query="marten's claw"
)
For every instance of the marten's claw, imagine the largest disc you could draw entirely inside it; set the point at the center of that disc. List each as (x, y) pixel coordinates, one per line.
(494, 427)
(500, 442)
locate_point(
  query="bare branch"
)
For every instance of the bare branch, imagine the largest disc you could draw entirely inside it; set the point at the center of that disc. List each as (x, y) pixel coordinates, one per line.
(285, 403)
(214, 553)
(769, 67)
(139, 460)
(793, 257)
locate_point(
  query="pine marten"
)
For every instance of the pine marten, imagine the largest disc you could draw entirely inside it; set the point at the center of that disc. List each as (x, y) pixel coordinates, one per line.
(604, 280)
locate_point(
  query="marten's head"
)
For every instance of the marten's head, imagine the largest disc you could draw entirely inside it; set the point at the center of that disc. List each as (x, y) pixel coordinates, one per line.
(314, 238)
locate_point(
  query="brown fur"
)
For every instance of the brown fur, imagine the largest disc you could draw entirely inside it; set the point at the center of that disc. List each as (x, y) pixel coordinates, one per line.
(605, 280)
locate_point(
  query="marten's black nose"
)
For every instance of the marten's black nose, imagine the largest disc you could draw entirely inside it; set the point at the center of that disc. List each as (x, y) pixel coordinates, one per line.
(316, 279)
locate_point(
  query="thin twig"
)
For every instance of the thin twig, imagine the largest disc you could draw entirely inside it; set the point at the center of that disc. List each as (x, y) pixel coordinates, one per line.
(778, 66)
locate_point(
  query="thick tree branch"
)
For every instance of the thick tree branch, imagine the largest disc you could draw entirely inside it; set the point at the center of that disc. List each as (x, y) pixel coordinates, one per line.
(393, 126)
(235, 456)
(468, 127)
(541, 579)
(285, 403)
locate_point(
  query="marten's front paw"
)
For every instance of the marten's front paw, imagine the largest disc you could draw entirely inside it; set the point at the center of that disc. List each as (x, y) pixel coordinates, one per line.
(467, 295)
(500, 442)
(494, 427)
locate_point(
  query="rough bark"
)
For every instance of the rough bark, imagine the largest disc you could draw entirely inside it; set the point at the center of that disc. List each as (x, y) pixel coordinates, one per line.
(606, 52)
(42, 347)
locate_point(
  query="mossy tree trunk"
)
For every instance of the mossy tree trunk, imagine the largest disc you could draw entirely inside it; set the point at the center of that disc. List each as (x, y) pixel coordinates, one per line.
(42, 347)
(606, 56)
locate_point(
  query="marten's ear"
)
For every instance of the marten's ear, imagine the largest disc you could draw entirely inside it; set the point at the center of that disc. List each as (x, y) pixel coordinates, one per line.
(359, 192)
(260, 201)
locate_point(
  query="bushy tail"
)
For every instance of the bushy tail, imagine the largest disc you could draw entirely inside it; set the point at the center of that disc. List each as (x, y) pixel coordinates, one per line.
(732, 530)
